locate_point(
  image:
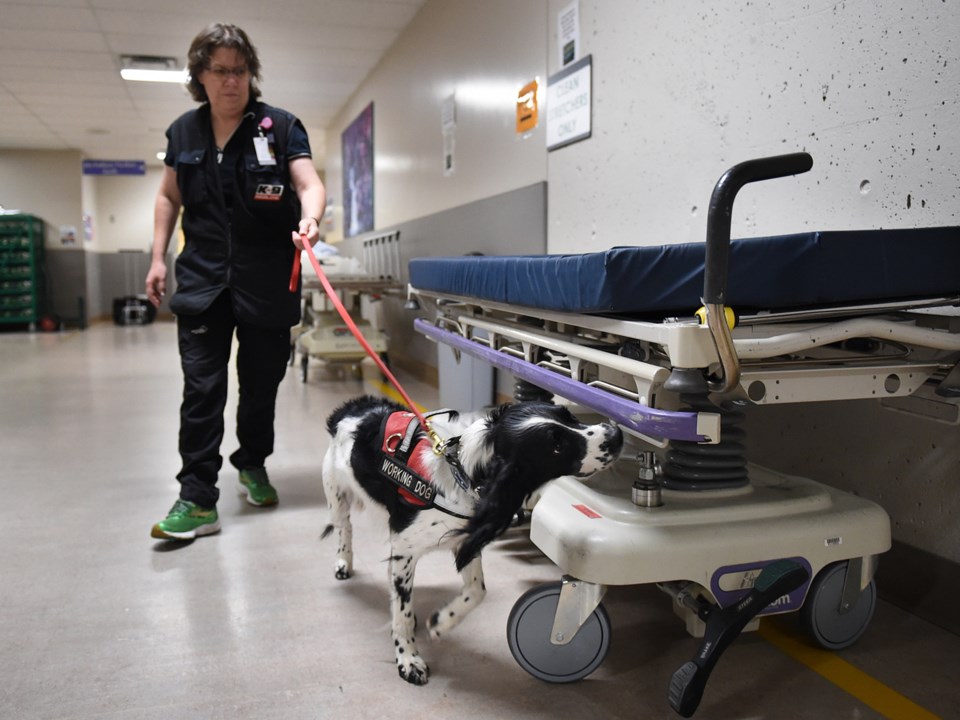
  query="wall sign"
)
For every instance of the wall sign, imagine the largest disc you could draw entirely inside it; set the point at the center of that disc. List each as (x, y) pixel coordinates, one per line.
(528, 114)
(569, 104)
(114, 167)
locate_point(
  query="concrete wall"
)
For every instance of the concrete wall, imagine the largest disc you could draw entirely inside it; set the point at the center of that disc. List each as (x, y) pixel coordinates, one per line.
(684, 90)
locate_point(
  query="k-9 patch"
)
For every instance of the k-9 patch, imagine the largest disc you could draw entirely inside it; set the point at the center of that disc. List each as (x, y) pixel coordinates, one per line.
(268, 192)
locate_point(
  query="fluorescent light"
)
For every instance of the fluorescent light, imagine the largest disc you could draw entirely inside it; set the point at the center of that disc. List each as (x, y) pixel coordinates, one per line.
(150, 68)
(168, 76)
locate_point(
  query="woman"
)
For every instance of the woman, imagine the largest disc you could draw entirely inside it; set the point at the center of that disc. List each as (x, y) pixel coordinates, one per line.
(251, 198)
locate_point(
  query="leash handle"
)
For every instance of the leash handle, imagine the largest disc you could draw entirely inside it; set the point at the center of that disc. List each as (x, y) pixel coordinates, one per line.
(345, 316)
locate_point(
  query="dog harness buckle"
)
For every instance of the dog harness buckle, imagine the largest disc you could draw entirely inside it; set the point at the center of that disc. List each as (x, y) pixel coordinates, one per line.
(439, 445)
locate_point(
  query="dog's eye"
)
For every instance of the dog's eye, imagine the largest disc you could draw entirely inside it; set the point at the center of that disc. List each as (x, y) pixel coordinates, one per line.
(558, 448)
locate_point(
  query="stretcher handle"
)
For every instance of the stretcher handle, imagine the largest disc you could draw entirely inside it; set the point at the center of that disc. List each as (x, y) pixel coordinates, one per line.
(717, 260)
(721, 210)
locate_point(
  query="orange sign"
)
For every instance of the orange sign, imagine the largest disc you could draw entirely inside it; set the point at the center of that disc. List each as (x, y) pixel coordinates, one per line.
(527, 115)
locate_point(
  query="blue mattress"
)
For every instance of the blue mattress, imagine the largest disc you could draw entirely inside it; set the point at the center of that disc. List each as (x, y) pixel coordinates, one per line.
(805, 270)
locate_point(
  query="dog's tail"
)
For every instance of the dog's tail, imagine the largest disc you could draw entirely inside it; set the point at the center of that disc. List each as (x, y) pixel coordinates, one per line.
(502, 498)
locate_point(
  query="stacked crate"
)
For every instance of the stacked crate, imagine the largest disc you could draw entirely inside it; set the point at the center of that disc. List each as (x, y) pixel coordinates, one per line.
(22, 276)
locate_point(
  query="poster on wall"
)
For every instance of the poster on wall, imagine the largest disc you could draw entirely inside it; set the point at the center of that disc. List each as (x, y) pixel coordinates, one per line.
(568, 33)
(357, 148)
(448, 124)
(68, 235)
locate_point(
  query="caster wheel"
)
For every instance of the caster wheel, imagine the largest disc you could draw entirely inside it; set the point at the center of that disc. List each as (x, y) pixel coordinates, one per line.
(820, 615)
(528, 635)
(303, 368)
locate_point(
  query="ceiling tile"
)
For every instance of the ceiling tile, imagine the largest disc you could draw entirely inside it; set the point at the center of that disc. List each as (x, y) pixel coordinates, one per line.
(59, 64)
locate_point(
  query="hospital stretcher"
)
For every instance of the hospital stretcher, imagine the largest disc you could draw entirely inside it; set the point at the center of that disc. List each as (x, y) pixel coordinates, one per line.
(674, 343)
(323, 335)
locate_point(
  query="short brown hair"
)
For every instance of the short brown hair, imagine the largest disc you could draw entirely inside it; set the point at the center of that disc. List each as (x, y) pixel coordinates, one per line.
(214, 36)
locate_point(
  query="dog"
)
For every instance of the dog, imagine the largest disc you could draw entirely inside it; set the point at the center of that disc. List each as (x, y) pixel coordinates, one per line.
(493, 461)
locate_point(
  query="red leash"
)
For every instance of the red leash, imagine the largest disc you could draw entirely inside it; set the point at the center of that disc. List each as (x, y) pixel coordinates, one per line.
(335, 299)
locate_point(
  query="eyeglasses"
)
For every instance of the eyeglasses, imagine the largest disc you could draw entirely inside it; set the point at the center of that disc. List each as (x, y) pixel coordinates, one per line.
(223, 73)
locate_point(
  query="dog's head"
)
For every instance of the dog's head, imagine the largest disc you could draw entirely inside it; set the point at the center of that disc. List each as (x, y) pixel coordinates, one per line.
(515, 450)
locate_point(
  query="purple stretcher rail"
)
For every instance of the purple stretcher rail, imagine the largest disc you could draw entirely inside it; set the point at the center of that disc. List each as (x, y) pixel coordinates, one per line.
(648, 421)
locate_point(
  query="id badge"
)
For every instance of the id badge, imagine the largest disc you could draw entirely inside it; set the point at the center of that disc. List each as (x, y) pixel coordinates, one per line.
(264, 151)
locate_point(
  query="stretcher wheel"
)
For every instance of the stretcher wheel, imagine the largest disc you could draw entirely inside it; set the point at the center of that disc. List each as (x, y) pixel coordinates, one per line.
(820, 615)
(528, 635)
(303, 367)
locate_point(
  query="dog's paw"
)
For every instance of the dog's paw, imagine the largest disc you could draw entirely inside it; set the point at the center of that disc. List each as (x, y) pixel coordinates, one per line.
(342, 571)
(414, 670)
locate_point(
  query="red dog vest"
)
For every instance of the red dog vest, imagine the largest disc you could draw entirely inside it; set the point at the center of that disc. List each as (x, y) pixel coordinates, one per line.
(402, 458)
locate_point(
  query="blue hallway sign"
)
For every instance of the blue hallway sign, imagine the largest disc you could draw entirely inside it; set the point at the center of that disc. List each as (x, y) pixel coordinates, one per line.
(114, 167)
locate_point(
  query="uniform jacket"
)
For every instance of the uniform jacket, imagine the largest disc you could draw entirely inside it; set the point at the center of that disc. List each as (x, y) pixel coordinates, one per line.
(248, 249)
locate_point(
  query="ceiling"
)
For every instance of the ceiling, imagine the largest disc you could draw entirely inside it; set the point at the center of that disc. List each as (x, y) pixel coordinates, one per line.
(60, 85)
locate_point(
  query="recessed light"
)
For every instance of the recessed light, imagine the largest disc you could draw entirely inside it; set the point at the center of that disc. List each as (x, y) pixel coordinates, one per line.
(151, 68)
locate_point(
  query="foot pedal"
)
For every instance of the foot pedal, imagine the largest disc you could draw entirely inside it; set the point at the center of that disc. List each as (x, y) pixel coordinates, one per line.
(949, 387)
(722, 628)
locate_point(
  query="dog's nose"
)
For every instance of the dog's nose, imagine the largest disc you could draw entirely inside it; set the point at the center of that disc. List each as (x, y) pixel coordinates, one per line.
(614, 440)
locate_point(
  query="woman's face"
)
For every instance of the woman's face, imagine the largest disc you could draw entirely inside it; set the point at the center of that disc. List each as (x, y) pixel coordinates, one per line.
(227, 81)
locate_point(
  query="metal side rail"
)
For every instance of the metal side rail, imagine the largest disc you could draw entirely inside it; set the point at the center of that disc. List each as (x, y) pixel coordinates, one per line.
(646, 421)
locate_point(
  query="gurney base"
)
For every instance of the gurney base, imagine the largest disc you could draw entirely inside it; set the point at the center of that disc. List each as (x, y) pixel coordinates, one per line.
(726, 557)
(718, 539)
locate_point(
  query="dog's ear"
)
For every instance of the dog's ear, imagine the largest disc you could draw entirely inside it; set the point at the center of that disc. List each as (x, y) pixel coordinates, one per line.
(502, 497)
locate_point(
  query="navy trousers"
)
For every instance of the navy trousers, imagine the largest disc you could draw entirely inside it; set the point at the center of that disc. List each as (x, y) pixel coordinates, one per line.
(205, 345)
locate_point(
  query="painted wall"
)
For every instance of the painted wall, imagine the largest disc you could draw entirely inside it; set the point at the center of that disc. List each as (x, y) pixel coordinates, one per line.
(45, 183)
(482, 53)
(123, 211)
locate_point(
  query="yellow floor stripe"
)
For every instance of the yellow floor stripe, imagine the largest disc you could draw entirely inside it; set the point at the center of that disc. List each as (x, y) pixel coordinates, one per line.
(388, 391)
(884, 700)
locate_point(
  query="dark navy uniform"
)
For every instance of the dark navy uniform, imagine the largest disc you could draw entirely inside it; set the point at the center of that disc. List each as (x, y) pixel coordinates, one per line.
(233, 275)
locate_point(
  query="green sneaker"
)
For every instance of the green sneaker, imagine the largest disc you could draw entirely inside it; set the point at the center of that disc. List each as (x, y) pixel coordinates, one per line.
(255, 484)
(185, 521)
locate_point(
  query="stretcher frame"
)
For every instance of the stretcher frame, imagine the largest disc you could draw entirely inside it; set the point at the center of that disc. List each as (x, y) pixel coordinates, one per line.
(679, 382)
(324, 336)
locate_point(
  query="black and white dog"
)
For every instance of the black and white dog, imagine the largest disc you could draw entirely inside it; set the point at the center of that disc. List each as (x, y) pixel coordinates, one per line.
(461, 500)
